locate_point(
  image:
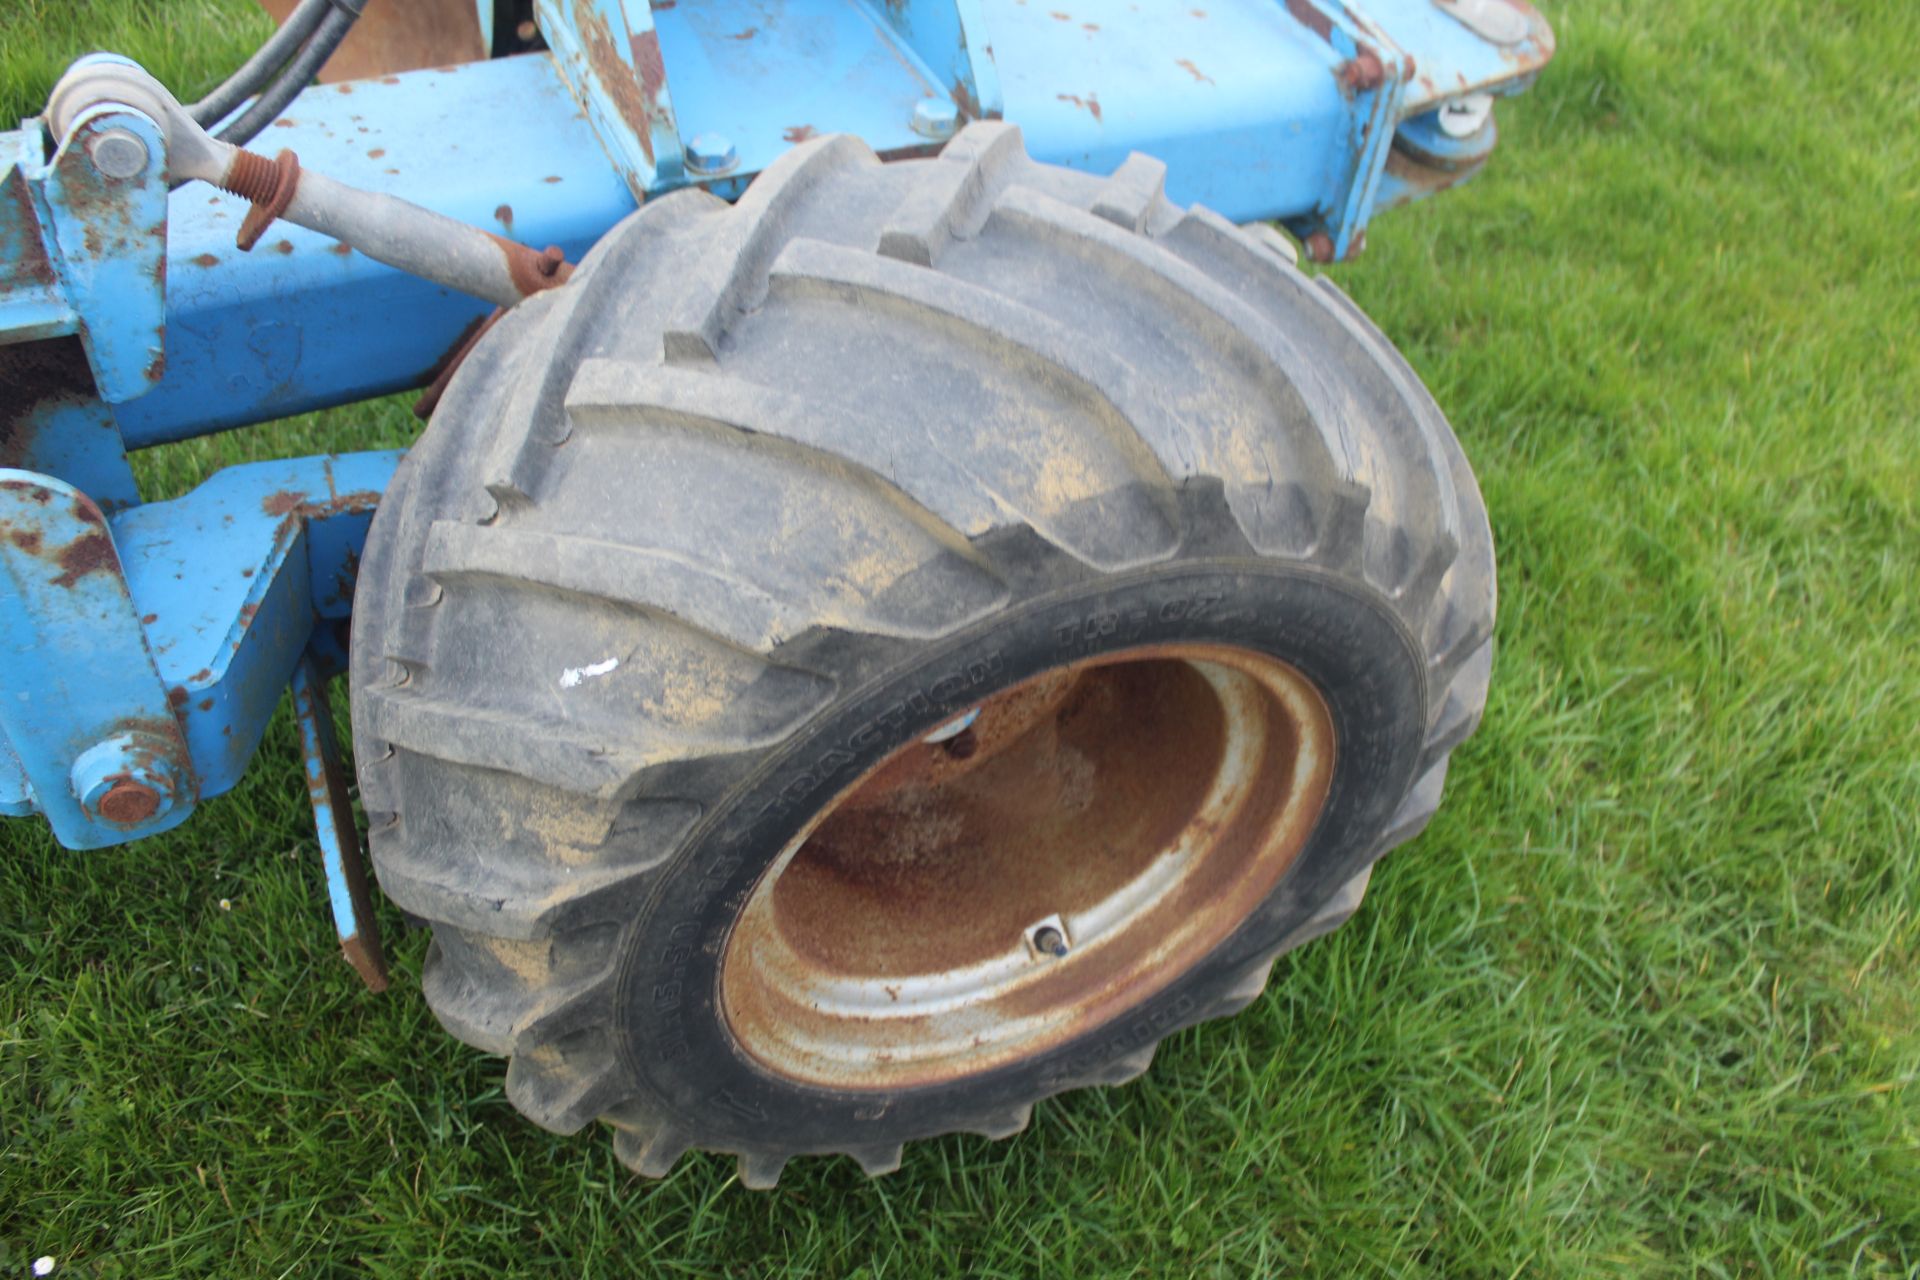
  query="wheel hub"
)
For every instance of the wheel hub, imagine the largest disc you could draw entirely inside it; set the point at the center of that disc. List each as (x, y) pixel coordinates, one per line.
(999, 887)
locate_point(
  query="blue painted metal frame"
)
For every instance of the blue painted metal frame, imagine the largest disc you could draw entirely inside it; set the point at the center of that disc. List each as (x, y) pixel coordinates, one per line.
(134, 321)
(180, 619)
(300, 323)
(1247, 105)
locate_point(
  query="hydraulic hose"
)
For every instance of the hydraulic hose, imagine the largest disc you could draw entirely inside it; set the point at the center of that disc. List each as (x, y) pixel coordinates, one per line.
(257, 70)
(296, 76)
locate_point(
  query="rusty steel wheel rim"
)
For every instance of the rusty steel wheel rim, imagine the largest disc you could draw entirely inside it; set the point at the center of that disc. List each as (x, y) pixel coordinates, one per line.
(1029, 871)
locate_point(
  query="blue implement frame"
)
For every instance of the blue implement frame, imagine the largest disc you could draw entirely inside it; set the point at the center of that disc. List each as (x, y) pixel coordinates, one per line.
(146, 643)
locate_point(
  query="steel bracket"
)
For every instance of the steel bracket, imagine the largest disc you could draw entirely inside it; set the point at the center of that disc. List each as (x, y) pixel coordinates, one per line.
(1371, 71)
(609, 54)
(180, 620)
(78, 675)
(86, 231)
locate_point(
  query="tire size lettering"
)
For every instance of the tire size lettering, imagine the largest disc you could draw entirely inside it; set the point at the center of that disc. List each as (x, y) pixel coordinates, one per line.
(672, 971)
(1109, 627)
(735, 1105)
(1143, 1030)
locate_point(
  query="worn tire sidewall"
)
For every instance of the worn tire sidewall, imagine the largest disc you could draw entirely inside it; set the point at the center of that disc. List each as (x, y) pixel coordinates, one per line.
(670, 1029)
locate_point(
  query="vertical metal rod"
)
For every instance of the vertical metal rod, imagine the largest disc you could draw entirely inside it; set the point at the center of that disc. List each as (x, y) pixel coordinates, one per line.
(353, 917)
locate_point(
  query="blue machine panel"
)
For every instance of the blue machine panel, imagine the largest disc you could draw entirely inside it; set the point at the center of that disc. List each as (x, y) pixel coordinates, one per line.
(1237, 96)
(829, 66)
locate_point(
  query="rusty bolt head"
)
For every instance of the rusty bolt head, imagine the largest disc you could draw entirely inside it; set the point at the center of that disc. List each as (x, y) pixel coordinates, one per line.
(1363, 72)
(128, 779)
(127, 802)
(1320, 247)
(117, 153)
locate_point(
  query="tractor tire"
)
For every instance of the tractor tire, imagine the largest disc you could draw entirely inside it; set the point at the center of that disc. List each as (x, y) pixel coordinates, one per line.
(867, 657)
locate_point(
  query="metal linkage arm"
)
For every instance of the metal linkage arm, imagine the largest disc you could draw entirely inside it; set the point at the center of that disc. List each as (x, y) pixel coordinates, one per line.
(384, 227)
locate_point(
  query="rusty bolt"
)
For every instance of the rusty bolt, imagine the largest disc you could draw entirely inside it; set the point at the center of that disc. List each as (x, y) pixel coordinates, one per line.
(128, 802)
(268, 184)
(127, 779)
(1320, 247)
(1363, 72)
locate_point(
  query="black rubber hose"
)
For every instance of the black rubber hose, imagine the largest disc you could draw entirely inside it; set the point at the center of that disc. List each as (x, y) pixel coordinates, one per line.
(258, 69)
(298, 73)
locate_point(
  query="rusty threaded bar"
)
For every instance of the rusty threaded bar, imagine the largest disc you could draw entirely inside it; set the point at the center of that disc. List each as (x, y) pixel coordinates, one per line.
(268, 184)
(251, 177)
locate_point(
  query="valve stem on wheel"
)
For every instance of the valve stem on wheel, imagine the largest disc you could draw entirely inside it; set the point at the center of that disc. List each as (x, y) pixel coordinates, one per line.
(1048, 939)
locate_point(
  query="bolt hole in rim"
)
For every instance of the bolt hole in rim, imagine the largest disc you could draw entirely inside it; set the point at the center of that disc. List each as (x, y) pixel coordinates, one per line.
(989, 893)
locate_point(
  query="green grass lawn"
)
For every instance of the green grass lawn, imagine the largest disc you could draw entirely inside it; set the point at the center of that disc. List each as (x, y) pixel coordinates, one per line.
(1642, 1001)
